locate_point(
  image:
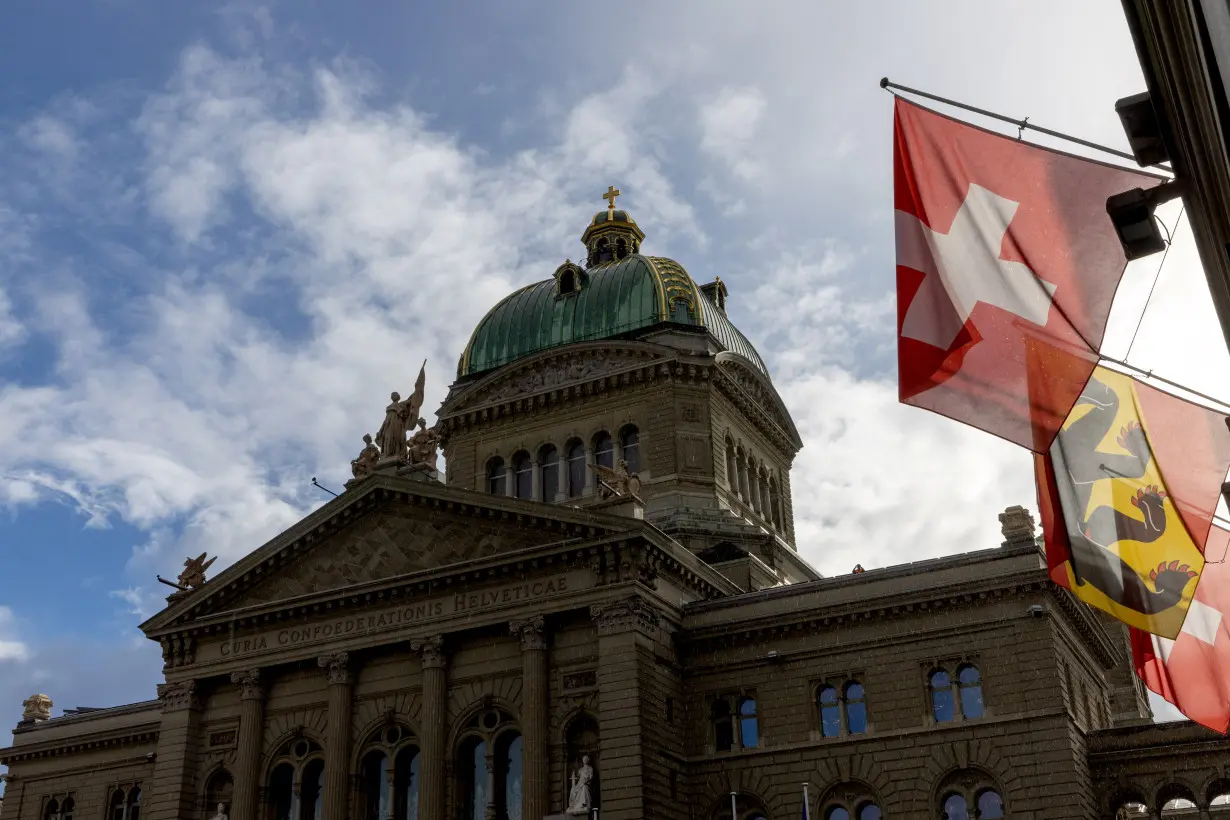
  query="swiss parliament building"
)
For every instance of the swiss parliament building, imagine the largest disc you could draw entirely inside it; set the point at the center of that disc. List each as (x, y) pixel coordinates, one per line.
(600, 610)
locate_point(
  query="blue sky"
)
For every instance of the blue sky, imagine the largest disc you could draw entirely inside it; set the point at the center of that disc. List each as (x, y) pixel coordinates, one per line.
(228, 231)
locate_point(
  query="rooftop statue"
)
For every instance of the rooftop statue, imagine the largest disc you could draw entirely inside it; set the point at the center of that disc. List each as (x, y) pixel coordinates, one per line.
(618, 481)
(399, 418)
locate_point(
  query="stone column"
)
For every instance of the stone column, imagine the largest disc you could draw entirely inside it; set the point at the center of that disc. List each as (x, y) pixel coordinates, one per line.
(337, 742)
(623, 627)
(433, 726)
(536, 482)
(535, 688)
(172, 792)
(248, 749)
(510, 479)
(590, 479)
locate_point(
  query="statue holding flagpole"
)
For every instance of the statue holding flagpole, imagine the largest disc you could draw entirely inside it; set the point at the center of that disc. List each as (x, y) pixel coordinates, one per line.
(399, 418)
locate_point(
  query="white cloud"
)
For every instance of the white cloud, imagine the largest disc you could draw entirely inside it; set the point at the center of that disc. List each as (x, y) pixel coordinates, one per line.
(729, 122)
(11, 647)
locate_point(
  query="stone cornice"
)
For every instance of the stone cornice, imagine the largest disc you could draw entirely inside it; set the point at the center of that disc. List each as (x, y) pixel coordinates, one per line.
(569, 522)
(1154, 740)
(758, 399)
(127, 735)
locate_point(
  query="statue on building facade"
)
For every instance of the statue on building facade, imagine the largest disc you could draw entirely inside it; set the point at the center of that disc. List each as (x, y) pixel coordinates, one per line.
(399, 418)
(36, 708)
(221, 815)
(423, 445)
(580, 798)
(193, 576)
(617, 481)
(365, 464)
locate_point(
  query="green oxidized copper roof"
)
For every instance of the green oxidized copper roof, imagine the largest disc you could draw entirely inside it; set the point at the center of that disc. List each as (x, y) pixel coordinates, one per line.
(615, 299)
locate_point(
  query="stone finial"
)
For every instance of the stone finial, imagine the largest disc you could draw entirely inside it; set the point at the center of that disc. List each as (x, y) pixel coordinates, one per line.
(1017, 526)
(36, 708)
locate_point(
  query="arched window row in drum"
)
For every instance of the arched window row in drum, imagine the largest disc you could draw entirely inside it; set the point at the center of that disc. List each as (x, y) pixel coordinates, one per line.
(556, 473)
(755, 483)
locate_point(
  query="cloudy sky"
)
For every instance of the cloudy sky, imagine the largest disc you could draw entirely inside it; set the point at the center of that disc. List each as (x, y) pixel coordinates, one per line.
(228, 231)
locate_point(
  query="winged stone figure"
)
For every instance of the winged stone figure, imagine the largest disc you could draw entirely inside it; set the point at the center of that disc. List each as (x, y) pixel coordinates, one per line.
(193, 576)
(617, 481)
(400, 417)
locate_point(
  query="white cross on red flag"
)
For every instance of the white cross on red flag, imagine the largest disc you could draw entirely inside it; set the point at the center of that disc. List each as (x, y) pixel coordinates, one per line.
(1007, 264)
(1193, 670)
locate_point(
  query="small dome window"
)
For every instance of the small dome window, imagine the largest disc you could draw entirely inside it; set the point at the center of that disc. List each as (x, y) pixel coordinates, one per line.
(568, 279)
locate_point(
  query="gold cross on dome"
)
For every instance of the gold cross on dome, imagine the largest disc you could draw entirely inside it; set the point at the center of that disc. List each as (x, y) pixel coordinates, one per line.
(609, 196)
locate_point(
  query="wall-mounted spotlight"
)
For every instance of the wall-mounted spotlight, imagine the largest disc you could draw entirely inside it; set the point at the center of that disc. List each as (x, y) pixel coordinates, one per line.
(1131, 212)
(1143, 129)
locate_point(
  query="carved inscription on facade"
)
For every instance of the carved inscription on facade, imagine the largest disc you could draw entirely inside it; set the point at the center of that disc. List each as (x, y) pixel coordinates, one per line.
(410, 614)
(222, 740)
(580, 680)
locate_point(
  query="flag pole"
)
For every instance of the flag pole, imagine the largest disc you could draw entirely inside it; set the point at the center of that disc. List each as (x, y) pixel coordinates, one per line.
(806, 804)
(734, 809)
(1021, 124)
(1222, 406)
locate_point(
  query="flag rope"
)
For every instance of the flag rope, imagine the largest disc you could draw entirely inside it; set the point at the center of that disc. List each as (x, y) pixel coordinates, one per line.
(1156, 277)
(1221, 406)
(886, 84)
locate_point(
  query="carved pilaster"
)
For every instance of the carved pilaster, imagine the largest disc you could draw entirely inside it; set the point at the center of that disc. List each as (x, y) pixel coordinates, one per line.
(435, 707)
(431, 650)
(531, 631)
(248, 747)
(337, 667)
(249, 684)
(623, 616)
(178, 696)
(534, 714)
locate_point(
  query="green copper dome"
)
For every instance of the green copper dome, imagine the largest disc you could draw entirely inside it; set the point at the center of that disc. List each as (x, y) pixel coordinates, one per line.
(605, 301)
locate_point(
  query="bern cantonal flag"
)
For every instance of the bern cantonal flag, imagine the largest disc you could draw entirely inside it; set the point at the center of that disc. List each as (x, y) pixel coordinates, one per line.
(1127, 495)
(1003, 248)
(1193, 670)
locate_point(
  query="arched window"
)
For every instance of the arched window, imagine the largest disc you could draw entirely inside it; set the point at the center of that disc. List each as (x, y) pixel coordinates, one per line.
(775, 504)
(954, 807)
(117, 809)
(830, 711)
(125, 804)
(766, 505)
(630, 446)
(567, 282)
(52, 810)
(576, 469)
(990, 805)
(299, 762)
(723, 726)
(970, 684)
(548, 463)
(523, 475)
(604, 450)
(496, 476)
(753, 485)
(837, 813)
(489, 768)
(749, 730)
(388, 775)
(856, 708)
(66, 809)
(868, 811)
(621, 248)
(472, 768)
(942, 707)
(134, 803)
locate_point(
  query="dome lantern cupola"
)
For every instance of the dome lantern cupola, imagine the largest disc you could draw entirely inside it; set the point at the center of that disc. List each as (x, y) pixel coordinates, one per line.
(612, 234)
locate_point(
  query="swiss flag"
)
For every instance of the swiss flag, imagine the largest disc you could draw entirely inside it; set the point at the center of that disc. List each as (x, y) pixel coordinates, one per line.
(1007, 265)
(1193, 670)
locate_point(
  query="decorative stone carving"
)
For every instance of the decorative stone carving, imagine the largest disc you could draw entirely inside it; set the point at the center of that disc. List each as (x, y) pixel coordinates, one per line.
(531, 631)
(365, 464)
(580, 801)
(178, 695)
(618, 481)
(250, 684)
(193, 576)
(36, 708)
(177, 650)
(431, 650)
(557, 372)
(337, 667)
(1017, 526)
(622, 616)
(399, 417)
(423, 445)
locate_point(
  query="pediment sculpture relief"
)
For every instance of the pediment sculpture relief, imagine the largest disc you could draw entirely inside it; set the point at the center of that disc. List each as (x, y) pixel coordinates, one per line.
(557, 372)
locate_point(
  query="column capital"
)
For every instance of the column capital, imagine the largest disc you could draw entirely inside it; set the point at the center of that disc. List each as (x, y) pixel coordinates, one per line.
(531, 631)
(249, 681)
(431, 650)
(178, 696)
(337, 667)
(624, 615)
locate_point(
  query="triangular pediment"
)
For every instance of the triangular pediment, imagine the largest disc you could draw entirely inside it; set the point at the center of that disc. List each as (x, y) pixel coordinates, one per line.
(384, 528)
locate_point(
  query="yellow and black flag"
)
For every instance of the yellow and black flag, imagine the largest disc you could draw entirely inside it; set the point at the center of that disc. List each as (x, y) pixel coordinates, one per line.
(1127, 494)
